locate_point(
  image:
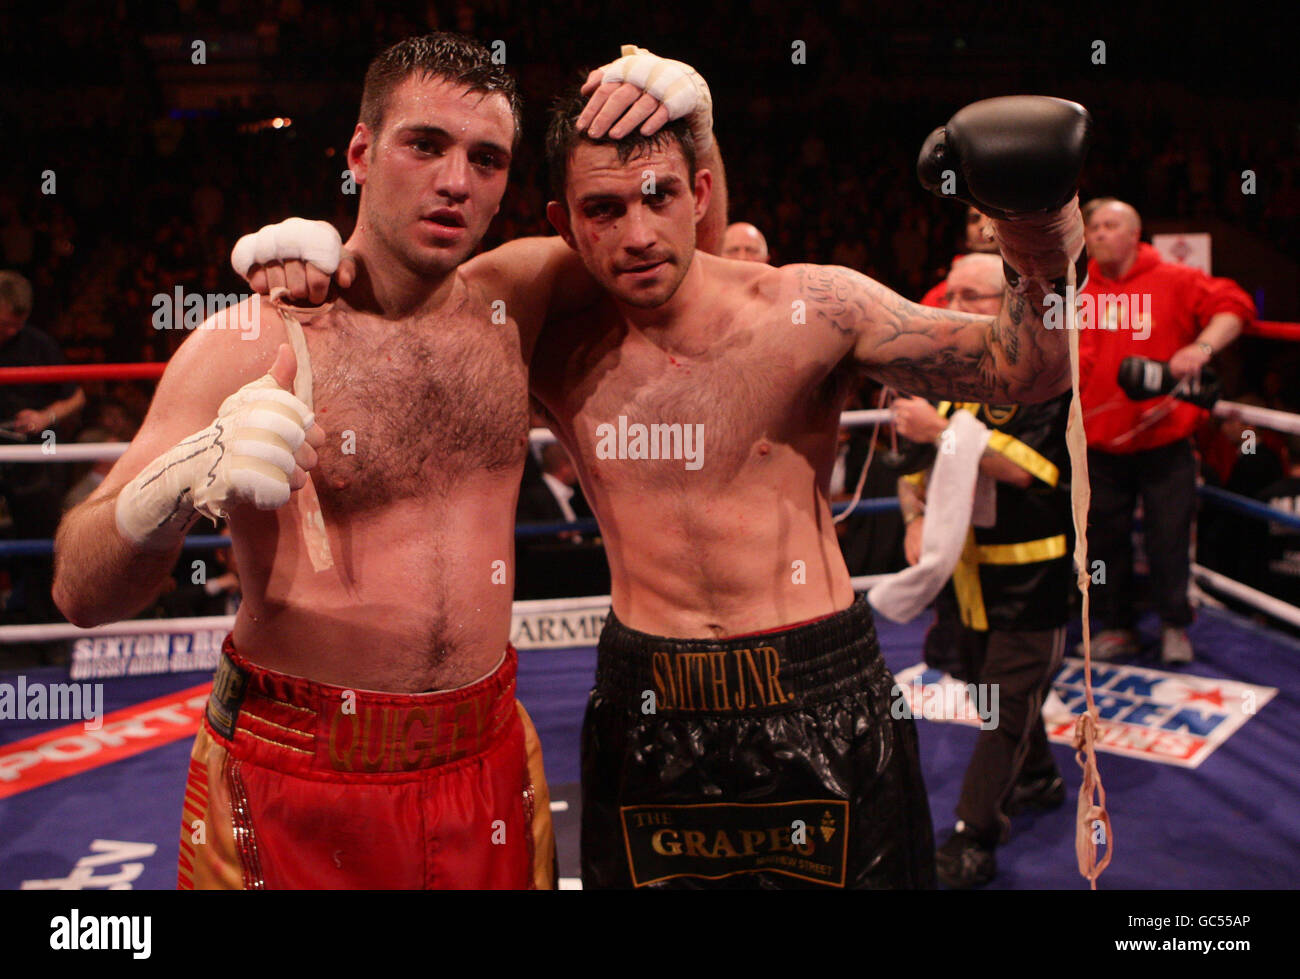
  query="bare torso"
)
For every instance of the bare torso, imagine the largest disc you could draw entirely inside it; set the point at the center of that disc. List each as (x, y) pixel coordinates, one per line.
(426, 427)
(745, 541)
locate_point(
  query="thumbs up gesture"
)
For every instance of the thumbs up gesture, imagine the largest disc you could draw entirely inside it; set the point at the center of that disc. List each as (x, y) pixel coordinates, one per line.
(257, 451)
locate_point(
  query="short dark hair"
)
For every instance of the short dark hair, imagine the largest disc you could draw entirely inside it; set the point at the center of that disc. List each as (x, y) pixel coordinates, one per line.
(553, 455)
(454, 57)
(562, 138)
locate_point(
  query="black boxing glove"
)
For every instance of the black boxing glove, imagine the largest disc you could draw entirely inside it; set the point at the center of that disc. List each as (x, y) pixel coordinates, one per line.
(1142, 378)
(1010, 156)
(1017, 159)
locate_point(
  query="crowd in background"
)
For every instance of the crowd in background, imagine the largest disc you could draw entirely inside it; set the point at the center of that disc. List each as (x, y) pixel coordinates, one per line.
(150, 192)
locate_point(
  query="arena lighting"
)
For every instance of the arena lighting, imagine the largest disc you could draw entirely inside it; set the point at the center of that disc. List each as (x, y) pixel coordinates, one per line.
(276, 122)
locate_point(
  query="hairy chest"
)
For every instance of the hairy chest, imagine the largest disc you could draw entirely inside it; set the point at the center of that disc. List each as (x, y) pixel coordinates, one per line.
(642, 415)
(409, 409)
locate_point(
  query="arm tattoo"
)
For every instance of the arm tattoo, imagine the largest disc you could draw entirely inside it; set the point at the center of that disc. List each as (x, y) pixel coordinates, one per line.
(1017, 308)
(833, 297)
(1011, 338)
(929, 351)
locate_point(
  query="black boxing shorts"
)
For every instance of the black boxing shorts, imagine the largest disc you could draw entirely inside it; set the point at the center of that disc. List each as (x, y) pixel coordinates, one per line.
(770, 760)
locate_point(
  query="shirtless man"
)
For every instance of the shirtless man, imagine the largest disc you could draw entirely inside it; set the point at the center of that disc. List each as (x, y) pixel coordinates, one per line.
(303, 775)
(740, 730)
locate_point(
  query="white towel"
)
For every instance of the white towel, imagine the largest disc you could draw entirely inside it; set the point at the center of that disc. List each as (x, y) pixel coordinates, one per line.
(949, 501)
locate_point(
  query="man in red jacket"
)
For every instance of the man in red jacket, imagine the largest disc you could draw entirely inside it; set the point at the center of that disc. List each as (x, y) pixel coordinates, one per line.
(1137, 305)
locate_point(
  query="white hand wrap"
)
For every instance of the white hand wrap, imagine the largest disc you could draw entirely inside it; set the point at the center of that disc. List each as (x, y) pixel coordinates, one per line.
(678, 86)
(1041, 247)
(244, 456)
(316, 242)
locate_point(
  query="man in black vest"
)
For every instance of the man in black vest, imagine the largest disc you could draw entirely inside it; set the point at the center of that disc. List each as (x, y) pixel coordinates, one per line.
(1001, 619)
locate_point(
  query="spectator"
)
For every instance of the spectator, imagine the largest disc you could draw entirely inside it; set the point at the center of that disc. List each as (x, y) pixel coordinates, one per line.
(744, 242)
(1145, 307)
(31, 413)
(1001, 620)
(556, 496)
(978, 239)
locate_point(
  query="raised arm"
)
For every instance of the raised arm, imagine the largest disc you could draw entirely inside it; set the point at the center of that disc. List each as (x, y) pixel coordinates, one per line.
(710, 229)
(1017, 159)
(940, 353)
(643, 88)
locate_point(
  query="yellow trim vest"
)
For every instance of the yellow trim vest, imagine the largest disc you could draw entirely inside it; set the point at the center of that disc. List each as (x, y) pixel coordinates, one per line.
(1015, 592)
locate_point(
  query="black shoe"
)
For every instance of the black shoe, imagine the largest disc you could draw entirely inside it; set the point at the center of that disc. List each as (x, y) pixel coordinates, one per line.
(964, 862)
(1037, 792)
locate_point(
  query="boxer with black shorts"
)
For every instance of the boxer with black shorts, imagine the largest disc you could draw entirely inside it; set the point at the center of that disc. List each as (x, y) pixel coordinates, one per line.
(723, 745)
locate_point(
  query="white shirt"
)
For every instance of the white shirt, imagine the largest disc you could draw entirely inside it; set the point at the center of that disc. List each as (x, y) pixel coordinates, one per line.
(840, 471)
(562, 493)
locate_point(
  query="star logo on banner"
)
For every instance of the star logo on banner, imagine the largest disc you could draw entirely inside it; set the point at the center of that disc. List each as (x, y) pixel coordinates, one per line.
(1214, 696)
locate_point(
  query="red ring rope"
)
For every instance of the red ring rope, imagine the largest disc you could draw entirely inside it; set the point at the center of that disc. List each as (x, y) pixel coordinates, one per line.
(1270, 329)
(1273, 330)
(81, 372)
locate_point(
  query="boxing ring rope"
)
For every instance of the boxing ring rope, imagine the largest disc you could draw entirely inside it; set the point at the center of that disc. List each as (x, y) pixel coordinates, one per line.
(106, 451)
(152, 370)
(1244, 593)
(58, 373)
(1271, 418)
(1274, 330)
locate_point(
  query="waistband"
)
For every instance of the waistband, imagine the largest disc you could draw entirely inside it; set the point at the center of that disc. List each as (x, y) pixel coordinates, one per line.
(755, 673)
(296, 725)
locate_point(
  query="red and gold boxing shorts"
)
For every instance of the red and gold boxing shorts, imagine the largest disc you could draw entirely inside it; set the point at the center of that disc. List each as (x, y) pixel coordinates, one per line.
(301, 785)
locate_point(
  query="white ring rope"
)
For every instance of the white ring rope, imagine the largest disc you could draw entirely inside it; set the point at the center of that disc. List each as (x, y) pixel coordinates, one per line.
(102, 451)
(1280, 421)
(1244, 593)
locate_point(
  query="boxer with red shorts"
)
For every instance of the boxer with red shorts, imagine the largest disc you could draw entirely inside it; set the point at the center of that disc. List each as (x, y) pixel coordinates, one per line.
(298, 784)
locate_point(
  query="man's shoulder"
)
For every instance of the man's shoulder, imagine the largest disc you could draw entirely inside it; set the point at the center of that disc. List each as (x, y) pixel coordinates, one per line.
(753, 279)
(1178, 270)
(32, 342)
(1161, 268)
(238, 342)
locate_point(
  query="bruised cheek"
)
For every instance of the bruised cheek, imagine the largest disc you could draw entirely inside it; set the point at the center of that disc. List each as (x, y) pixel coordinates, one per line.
(593, 238)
